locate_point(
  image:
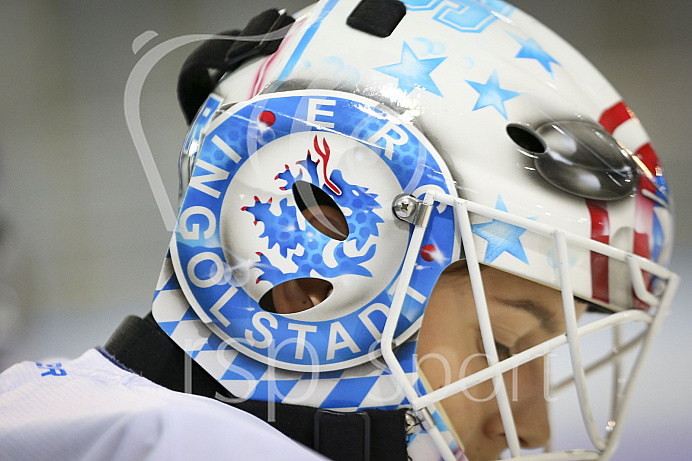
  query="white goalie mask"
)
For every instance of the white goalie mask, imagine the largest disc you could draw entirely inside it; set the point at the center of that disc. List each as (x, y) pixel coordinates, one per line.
(364, 157)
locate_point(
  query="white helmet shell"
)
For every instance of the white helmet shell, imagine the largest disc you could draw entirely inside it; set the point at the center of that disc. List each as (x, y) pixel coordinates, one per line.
(472, 102)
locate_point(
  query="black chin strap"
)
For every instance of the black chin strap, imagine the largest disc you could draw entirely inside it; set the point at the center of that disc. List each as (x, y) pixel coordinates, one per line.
(140, 345)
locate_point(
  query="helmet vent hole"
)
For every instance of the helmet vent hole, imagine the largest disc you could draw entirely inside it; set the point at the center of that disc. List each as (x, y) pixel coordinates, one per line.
(298, 295)
(320, 210)
(526, 138)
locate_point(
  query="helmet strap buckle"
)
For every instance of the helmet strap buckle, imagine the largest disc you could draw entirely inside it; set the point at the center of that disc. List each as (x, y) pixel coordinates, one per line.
(344, 436)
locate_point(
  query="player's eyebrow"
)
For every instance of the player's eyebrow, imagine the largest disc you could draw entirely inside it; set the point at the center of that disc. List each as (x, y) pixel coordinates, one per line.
(544, 314)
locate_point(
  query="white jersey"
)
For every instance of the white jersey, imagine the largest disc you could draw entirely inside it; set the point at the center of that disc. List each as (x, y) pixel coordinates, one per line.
(91, 409)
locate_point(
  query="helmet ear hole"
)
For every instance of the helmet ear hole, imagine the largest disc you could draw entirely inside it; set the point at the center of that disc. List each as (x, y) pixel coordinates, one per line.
(526, 138)
(320, 210)
(297, 295)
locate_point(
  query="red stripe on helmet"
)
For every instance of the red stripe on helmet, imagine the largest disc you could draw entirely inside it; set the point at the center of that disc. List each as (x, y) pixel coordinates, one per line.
(643, 226)
(615, 116)
(611, 119)
(600, 232)
(648, 156)
(644, 212)
(644, 208)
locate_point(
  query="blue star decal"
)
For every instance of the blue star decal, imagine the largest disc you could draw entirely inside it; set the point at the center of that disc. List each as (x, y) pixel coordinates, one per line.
(530, 49)
(413, 72)
(501, 237)
(490, 94)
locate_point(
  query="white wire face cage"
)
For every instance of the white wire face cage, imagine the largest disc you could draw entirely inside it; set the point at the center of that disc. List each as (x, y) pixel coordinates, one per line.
(550, 178)
(530, 247)
(604, 438)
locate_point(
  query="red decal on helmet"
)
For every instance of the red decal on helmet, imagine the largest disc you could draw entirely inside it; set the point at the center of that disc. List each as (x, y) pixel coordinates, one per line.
(615, 116)
(644, 211)
(650, 161)
(267, 118)
(325, 156)
(429, 252)
(600, 232)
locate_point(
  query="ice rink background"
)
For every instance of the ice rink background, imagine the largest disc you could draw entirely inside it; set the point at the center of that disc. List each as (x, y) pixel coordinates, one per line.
(83, 239)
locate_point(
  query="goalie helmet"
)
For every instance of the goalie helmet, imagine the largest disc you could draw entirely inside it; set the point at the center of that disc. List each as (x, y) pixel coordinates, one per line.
(360, 149)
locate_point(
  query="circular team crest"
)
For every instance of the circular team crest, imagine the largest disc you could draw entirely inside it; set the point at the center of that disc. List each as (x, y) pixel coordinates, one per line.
(244, 227)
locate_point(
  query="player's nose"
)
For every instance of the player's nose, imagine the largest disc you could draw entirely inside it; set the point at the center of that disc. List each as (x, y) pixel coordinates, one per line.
(530, 408)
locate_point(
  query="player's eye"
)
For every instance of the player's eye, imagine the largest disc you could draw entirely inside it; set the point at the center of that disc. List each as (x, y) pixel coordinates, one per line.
(503, 352)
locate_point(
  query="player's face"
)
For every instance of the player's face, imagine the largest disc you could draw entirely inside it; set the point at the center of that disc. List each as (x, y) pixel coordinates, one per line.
(522, 314)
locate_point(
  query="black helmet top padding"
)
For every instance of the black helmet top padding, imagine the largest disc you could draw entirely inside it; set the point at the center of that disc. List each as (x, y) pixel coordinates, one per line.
(206, 65)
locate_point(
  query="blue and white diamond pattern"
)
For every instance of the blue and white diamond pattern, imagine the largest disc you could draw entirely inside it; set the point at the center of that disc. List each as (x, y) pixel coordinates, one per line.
(369, 385)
